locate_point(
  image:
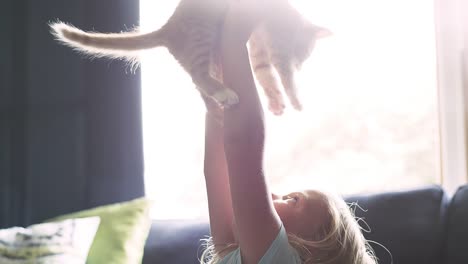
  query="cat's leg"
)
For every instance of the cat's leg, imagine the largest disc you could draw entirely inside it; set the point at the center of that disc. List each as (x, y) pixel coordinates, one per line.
(201, 43)
(265, 75)
(286, 73)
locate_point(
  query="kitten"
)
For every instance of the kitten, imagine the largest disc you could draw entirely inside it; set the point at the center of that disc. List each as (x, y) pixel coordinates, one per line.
(282, 44)
(191, 35)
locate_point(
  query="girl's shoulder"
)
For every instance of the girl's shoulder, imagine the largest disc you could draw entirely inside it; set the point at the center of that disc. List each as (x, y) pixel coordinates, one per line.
(280, 251)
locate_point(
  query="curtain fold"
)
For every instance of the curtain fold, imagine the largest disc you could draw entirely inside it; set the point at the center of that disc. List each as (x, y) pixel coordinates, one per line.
(70, 128)
(13, 113)
(114, 134)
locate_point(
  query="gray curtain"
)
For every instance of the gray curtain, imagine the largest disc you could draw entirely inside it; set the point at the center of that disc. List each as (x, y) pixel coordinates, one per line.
(70, 128)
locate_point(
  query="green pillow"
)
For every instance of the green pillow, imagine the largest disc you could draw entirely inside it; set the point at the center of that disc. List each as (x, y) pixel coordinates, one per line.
(122, 234)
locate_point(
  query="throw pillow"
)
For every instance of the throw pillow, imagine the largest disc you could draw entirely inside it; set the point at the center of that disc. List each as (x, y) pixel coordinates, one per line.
(52, 243)
(122, 234)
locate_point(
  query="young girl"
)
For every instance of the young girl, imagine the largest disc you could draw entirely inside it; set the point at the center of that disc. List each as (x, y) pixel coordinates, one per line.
(248, 224)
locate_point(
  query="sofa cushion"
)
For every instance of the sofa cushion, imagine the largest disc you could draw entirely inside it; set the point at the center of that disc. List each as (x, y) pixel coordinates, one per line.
(409, 224)
(121, 236)
(61, 242)
(457, 228)
(175, 241)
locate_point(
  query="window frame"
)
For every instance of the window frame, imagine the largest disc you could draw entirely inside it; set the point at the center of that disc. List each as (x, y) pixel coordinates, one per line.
(452, 70)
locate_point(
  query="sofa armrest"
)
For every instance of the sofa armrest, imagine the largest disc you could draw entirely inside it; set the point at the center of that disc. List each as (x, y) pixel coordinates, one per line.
(457, 228)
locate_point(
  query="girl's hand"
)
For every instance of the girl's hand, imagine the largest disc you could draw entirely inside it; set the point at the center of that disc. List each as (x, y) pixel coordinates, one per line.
(213, 110)
(250, 12)
(240, 29)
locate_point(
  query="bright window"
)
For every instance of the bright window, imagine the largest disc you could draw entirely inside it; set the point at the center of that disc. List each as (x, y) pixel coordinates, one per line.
(370, 109)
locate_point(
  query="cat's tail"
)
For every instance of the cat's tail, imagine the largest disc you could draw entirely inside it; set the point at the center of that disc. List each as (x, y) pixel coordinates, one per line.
(123, 45)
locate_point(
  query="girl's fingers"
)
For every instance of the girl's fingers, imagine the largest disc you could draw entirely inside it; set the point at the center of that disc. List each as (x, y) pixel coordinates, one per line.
(243, 16)
(212, 107)
(209, 103)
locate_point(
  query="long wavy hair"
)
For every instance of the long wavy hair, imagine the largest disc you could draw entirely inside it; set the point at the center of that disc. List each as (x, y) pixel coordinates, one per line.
(339, 241)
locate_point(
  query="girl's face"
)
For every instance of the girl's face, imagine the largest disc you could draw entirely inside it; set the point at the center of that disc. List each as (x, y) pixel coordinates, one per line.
(302, 213)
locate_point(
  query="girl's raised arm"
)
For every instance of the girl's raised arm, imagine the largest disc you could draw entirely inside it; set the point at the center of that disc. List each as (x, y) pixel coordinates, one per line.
(217, 179)
(257, 223)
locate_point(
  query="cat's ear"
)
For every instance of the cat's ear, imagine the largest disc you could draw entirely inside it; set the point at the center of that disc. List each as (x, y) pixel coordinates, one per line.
(320, 32)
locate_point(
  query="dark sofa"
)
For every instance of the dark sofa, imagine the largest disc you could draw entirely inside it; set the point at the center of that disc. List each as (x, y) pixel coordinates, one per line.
(423, 226)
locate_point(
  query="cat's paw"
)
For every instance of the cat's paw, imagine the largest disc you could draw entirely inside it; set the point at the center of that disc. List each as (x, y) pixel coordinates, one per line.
(276, 104)
(297, 105)
(277, 108)
(226, 98)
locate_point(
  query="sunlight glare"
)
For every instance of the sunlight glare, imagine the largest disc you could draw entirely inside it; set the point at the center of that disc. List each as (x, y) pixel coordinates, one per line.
(373, 63)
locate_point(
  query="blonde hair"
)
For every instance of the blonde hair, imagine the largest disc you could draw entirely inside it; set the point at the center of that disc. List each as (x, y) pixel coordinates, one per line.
(339, 240)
